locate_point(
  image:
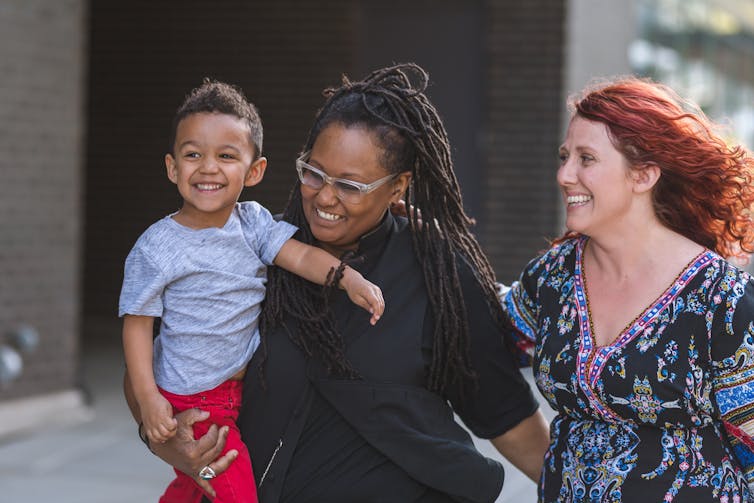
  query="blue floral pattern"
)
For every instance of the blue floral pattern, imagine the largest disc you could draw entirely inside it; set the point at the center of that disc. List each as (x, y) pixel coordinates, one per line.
(666, 412)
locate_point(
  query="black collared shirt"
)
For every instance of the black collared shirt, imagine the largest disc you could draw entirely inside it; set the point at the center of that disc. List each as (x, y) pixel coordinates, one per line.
(304, 449)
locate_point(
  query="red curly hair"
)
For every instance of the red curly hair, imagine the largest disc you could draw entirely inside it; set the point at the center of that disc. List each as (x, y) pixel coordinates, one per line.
(705, 191)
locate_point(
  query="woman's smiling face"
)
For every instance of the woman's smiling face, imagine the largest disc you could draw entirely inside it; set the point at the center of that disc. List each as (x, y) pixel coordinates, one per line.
(354, 154)
(595, 179)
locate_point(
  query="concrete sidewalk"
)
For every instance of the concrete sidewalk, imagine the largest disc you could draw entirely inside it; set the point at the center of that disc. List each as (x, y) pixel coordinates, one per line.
(97, 461)
(102, 460)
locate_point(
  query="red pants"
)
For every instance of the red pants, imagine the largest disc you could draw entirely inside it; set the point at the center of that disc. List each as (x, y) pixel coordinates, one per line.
(234, 485)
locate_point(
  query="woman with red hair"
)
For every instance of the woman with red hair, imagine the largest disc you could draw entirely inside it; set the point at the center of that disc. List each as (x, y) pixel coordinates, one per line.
(640, 332)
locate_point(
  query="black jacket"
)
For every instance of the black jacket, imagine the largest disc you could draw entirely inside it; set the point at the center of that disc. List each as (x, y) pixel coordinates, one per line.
(390, 407)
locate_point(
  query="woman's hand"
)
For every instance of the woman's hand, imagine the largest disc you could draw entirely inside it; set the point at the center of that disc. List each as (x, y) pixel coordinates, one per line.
(189, 455)
(182, 451)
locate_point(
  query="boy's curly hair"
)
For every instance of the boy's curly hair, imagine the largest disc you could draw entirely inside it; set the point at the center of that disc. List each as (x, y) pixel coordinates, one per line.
(218, 97)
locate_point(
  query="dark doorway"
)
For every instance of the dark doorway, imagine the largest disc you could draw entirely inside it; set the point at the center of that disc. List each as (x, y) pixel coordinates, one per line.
(445, 38)
(145, 56)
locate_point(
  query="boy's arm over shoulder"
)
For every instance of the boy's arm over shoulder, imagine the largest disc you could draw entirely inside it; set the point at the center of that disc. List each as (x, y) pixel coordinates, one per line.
(309, 262)
(263, 233)
(315, 265)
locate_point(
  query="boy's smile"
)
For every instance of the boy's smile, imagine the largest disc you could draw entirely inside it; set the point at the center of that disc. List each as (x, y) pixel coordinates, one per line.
(213, 160)
(208, 186)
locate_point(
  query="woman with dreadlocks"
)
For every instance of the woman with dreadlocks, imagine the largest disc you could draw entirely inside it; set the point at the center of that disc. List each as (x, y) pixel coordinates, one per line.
(338, 410)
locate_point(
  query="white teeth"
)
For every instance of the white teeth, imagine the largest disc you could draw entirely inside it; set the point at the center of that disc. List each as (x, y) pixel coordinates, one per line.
(327, 216)
(208, 186)
(578, 199)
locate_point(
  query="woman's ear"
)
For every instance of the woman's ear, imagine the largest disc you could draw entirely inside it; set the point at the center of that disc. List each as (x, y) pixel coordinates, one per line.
(645, 176)
(400, 186)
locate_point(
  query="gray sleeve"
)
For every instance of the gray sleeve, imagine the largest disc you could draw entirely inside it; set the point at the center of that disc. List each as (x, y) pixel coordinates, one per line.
(143, 284)
(268, 235)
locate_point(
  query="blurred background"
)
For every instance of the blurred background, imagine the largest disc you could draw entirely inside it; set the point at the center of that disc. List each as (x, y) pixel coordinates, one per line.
(87, 94)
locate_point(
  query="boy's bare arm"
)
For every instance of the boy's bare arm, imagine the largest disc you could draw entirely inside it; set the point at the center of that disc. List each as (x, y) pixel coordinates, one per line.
(137, 346)
(155, 411)
(309, 262)
(314, 264)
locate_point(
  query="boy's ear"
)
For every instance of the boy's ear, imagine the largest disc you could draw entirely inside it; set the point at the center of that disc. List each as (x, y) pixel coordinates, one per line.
(645, 176)
(256, 172)
(171, 168)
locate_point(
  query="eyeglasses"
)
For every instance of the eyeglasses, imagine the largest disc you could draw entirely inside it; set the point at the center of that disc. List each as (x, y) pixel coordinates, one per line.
(348, 191)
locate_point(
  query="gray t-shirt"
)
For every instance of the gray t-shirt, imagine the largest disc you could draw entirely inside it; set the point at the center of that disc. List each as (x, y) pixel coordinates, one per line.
(207, 286)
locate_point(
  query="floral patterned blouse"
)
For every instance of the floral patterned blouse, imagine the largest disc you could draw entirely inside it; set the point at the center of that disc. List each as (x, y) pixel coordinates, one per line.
(664, 413)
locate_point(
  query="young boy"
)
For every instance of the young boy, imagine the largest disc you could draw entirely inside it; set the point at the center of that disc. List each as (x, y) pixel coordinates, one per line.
(203, 270)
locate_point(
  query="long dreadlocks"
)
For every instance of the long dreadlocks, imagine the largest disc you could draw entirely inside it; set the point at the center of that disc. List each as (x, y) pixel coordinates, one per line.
(411, 134)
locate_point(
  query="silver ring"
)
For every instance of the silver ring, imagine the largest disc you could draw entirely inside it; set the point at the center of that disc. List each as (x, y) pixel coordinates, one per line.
(207, 473)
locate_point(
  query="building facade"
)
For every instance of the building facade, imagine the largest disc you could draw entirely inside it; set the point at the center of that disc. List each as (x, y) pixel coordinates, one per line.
(89, 90)
(43, 53)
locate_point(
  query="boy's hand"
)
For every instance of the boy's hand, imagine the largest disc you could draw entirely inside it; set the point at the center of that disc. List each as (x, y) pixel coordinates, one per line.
(363, 293)
(157, 415)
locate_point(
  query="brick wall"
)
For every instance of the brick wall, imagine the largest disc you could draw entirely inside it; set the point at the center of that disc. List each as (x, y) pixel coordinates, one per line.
(41, 129)
(524, 42)
(145, 56)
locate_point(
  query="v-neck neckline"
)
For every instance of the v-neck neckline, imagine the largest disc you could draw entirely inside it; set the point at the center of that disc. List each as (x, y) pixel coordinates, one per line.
(646, 315)
(591, 359)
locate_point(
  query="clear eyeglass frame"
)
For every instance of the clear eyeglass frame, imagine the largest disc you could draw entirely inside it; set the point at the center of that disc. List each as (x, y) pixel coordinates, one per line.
(348, 191)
